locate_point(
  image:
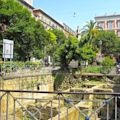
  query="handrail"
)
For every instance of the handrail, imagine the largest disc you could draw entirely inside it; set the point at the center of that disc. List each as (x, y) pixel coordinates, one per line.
(60, 92)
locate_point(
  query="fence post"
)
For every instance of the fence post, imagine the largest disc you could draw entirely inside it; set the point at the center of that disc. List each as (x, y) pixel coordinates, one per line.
(58, 106)
(108, 111)
(51, 111)
(7, 105)
(14, 114)
(0, 108)
(115, 107)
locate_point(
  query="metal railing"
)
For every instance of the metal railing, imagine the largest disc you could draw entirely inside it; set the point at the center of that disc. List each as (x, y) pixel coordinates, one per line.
(31, 69)
(32, 105)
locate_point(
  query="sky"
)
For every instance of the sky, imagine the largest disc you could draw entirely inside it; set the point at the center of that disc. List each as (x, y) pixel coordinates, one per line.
(77, 12)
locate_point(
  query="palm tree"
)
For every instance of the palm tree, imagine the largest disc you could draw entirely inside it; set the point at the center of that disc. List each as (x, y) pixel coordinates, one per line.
(90, 30)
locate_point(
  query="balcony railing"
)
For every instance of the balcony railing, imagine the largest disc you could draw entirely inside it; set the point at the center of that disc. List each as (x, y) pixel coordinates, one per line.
(43, 105)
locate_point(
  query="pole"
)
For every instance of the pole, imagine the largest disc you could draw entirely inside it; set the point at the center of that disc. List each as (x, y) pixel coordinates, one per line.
(10, 58)
(116, 108)
(4, 57)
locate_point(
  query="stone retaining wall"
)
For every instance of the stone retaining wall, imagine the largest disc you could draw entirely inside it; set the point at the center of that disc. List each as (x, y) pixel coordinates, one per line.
(44, 83)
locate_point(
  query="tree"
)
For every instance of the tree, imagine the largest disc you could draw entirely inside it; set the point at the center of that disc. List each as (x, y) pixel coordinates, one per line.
(51, 43)
(89, 32)
(117, 50)
(29, 35)
(60, 36)
(108, 39)
(67, 51)
(41, 38)
(87, 54)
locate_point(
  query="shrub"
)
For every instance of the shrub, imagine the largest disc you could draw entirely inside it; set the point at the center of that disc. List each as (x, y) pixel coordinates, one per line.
(19, 65)
(107, 64)
(108, 61)
(32, 65)
(92, 69)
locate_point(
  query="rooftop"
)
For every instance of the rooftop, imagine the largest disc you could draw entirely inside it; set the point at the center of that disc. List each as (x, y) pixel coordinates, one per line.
(107, 16)
(26, 4)
(40, 10)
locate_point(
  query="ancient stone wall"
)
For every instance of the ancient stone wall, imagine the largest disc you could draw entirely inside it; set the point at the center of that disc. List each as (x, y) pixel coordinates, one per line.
(41, 83)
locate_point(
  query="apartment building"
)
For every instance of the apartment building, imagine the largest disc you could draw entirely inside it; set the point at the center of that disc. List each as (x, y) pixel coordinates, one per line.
(50, 23)
(109, 23)
(27, 5)
(30, 2)
(47, 21)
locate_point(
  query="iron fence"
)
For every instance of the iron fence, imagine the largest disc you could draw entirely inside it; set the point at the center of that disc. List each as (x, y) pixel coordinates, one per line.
(43, 105)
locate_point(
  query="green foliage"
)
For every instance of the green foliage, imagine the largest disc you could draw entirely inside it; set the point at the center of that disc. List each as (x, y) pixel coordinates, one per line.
(117, 50)
(32, 40)
(116, 79)
(59, 78)
(41, 40)
(107, 64)
(89, 32)
(60, 36)
(92, 69)
(19, 65)
(90, 42)
(22, 29)
(51, 43)
(32, 65)
(67, 51)
(87, 53)
(109, 42)
(108, 61)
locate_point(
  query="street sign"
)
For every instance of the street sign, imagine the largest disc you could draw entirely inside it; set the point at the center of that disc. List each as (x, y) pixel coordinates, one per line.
(7, 48)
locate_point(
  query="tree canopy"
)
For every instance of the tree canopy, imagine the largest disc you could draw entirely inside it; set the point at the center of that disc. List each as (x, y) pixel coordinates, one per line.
(32, 40)
(22, 28)
(108, 41)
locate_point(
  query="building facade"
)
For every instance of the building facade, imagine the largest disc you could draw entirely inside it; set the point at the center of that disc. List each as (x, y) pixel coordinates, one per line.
(47, 21)
(109, 23)
(29, 2)
(27, 5)
(50, 23)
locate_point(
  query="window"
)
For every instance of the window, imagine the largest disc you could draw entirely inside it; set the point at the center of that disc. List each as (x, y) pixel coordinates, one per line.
(50, 23)
(53, 25)
(118, 24)
(42, 18)
(37, 17)
(56, 26)
(118, 33)
(45, 26)
(101, 24)
(110, 25)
